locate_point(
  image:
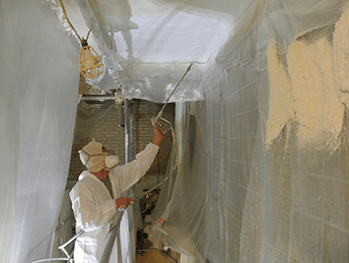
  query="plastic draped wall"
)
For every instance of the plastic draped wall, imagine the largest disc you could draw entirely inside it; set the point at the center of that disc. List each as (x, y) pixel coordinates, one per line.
(235, 198)
(38, 94)
(89, 117)
(232, 198)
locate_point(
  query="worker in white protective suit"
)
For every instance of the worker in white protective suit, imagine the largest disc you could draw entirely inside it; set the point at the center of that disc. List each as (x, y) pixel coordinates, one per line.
(96, 197)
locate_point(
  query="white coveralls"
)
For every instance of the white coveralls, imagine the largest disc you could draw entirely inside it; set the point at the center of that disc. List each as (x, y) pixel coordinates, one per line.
(94, 207)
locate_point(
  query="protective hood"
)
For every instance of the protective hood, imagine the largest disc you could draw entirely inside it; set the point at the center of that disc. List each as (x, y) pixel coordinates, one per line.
(92, 156)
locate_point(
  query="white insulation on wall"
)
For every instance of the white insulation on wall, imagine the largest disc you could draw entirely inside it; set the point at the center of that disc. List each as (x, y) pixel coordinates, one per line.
(254, 189)
(253, 184)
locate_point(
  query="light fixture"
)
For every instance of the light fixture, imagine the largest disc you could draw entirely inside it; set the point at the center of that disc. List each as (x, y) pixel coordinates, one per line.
(90, 64)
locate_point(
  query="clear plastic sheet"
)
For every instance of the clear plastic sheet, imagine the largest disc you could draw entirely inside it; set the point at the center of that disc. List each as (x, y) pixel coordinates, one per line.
(134, 39)
(64, 227)
(89, 116)
(139, 52)
(232, 199)
(39, 85)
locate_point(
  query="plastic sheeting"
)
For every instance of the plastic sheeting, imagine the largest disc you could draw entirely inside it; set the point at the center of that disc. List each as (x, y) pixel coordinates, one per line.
(236, 199)
(147, 46)
(232, 199)
(39, 85)
(89, 116)
(65, 226)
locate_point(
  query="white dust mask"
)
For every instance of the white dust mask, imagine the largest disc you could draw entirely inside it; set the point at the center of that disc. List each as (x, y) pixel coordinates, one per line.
(111, 161)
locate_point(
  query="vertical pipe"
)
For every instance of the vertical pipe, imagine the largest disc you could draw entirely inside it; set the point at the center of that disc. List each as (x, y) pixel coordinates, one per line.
(126, 105)
(137, 188)
(132, 130)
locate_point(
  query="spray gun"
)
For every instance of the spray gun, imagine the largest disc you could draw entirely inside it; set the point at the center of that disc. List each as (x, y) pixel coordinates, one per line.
(165, 125)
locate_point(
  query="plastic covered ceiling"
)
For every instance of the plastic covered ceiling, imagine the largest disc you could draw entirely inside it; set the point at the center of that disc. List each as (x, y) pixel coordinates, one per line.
(148, 45)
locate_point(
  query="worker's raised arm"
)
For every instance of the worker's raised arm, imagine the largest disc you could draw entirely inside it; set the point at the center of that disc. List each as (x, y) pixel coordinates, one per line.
(127, 175)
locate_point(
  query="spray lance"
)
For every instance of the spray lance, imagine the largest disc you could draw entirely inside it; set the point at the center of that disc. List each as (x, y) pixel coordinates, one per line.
(165, 125)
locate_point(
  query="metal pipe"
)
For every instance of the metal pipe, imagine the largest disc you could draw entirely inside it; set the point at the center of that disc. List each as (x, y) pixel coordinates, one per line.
(133, 109)
(97, 98)
(120, 114)
(126, 128)
(114, 233)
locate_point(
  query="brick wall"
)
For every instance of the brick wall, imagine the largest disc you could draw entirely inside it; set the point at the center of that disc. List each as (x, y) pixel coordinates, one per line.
(113, 137)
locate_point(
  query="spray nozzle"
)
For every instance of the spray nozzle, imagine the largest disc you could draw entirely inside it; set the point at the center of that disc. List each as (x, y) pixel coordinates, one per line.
(164, 126)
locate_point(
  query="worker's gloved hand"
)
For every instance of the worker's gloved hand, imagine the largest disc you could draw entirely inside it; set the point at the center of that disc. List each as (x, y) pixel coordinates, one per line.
(123, 202)
(158, 135)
